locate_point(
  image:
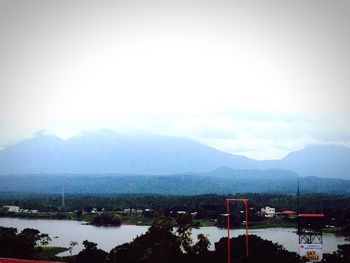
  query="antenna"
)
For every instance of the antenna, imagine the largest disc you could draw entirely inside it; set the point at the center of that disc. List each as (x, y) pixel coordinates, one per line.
(298, 195)
(63, 204)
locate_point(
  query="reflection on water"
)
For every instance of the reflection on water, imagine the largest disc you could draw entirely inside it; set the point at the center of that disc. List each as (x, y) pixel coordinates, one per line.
(109, 237)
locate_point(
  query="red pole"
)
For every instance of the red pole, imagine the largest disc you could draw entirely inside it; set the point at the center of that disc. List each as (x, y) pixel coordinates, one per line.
(245, 201)
(228, 231)
(246, 227)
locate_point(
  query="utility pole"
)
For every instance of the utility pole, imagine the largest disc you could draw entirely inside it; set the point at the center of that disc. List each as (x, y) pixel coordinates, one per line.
(245, 202)
(298, 195)
(63, 204)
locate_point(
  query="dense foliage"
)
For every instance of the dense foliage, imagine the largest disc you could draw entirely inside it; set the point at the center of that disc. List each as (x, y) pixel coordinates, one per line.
(25, 244)
(105, 219)
(219, 182)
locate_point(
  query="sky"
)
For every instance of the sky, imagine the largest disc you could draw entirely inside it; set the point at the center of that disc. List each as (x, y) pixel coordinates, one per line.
(259, 78)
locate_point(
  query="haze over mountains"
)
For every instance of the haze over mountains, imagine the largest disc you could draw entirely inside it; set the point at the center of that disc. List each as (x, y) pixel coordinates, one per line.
(221, 181)
(107, 152)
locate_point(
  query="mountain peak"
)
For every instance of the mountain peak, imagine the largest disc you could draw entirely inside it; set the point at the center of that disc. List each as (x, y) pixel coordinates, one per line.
(105, 151)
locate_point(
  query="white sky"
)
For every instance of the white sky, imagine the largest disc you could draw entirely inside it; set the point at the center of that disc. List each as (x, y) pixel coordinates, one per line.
(257, 78)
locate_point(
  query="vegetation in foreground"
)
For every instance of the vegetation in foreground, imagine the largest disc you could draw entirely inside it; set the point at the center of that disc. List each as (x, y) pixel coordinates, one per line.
(29, 244)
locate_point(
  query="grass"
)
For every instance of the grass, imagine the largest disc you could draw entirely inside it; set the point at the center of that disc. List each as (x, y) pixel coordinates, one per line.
(271, 224)
(49, 253)
(335, 230)
(205, 222)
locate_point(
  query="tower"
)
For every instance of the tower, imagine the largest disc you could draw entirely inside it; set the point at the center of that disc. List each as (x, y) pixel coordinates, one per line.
(63, 203)
(310, 236)
(298, 196)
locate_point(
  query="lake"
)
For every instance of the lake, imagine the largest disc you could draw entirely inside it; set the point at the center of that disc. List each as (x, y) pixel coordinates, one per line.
(64, 231)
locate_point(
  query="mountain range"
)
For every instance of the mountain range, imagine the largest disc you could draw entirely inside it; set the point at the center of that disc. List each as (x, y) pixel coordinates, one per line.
(106, 152)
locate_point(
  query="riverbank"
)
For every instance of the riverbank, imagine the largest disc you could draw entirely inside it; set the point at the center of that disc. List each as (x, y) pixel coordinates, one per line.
(50, 252)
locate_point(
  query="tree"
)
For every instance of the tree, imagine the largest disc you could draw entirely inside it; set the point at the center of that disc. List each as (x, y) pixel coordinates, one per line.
(44, 239)
(8, 241)
(157, 245)
(184, 226)
(91, 254)
(72, 244)
(202, 246)
(26, 244)
(260, 250)
(106, 219)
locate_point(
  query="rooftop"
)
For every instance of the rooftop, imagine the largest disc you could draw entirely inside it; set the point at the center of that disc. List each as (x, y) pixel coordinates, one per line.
(288, 212)
(14, 260)
(311, 215)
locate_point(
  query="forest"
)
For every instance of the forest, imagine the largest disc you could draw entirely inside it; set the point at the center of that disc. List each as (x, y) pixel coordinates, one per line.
(221, 181)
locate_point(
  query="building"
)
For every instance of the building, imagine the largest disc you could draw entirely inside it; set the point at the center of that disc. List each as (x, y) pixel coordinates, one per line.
(12, 208)
(268, 212)
(181, 212)
(289, 214)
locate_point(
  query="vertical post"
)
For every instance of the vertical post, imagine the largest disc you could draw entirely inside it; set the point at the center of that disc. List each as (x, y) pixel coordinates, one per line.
(63, 204)
(245, 201)
(228, 231)
(246, 227)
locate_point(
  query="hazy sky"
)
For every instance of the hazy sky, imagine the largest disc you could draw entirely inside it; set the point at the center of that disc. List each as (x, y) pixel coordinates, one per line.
(258, 78)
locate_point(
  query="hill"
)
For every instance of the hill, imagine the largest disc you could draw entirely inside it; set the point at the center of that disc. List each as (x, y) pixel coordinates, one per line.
(239, 181)
(107, 152)
(316, 160)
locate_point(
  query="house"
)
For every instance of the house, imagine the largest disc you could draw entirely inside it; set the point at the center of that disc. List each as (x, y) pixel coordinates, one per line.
(12, 208)
(14, 260)
(181, 212)
(268, 212)
(289, 214)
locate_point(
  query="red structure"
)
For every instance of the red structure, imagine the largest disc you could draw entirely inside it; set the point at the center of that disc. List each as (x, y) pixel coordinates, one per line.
(311, 215)
(310, 236)
(310, 228)
(14, 260)
(245, 202)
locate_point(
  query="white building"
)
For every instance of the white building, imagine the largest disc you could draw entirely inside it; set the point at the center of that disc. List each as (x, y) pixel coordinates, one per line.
(268, 212)
(181, 212)
(12, 208)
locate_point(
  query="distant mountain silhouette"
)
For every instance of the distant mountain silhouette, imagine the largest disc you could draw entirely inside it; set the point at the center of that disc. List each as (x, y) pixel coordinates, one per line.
(327, 161)
(106, 152)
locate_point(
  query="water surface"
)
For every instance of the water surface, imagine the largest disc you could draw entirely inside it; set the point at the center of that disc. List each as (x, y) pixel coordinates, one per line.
(64, 231)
